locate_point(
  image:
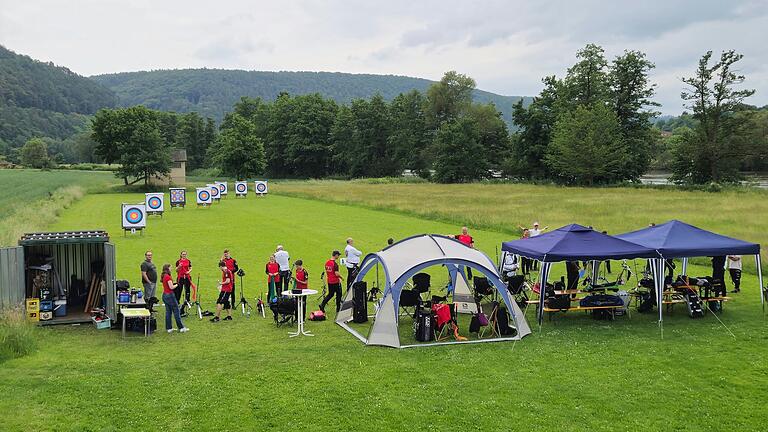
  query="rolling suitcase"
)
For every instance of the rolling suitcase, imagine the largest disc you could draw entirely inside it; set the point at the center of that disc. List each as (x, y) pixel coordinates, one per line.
(424, 326)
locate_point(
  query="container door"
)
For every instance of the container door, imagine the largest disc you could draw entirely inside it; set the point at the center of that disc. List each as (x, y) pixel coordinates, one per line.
(12, 286)
(109, 278)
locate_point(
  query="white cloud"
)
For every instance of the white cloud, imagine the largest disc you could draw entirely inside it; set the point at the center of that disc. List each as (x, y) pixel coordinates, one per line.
(506, 46)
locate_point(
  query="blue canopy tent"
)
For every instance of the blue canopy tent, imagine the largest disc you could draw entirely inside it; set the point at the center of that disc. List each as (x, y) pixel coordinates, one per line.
(575, 243)
(676, 239)
(400, 262)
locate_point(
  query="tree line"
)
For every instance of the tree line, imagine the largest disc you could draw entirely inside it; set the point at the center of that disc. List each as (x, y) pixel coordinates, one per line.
(592, 126)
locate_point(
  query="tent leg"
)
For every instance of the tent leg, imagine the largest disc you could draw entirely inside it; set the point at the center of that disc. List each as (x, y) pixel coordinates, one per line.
(760, 282)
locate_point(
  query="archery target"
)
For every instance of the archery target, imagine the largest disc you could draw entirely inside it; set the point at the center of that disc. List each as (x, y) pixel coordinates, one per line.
(215, 192)
(134, 216)
(241, 188)
(261, 187)
(222, 187)
(204, 195)
(178, 196)
(154, 202)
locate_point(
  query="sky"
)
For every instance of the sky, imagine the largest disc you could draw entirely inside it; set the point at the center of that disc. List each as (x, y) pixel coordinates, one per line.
(506, 46)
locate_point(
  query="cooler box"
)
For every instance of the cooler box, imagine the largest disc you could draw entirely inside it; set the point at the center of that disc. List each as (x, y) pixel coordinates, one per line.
(46, 306)
(60, 308)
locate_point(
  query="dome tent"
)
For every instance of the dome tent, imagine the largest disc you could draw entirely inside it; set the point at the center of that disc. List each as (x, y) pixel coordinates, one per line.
(412, 255)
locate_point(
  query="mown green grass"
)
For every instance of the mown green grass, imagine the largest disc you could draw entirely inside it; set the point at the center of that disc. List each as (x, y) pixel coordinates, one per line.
(574, 374)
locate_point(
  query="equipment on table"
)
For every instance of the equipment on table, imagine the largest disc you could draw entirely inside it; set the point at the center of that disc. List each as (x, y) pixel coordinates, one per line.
(359, 302)
(558, 302)
(134, 296)
(123, 296)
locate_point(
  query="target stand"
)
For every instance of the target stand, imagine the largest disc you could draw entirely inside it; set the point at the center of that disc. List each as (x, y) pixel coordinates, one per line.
(134, 218)
(178, 197)
(215, 192)
(203, 197)
(154, 203)
(261, 187)
(241, 189)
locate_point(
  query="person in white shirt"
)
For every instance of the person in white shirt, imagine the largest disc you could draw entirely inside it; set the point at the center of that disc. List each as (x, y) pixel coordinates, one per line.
(353, 261)
(510, 265)
(734, 268)
(534, 232)
(283, 259)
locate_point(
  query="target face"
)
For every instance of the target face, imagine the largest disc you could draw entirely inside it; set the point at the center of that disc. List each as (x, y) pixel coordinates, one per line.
(134, 216)
(222, 187)
(154, 202)
(178, 196)
(241, 188)
(204, 195)
(215, 192)
(261, 187)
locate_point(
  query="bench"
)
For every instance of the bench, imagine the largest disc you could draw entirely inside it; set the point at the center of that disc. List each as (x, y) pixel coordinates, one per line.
(587, 309)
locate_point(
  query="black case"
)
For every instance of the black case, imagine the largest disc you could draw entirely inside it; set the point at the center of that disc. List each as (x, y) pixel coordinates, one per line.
(360, 302)
(424, 326)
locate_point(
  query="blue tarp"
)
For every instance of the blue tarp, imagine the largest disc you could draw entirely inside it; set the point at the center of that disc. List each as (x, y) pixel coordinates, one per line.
(577, 243)
(676, 239)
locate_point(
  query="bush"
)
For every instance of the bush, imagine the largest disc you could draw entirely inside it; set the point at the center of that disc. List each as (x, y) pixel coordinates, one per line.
(17, 335)
(205, 172)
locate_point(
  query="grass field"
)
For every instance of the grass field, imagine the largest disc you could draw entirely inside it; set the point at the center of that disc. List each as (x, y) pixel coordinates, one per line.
(574, 374)
(33, 198)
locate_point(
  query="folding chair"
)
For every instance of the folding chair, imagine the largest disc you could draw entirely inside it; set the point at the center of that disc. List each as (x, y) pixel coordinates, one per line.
(410, 299)
(443, 329)
(516, 286)
(421, 282)
(493, 324)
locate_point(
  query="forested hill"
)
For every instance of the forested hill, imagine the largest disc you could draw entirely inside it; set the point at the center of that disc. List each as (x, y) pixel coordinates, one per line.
(212, 92)
(42, 99)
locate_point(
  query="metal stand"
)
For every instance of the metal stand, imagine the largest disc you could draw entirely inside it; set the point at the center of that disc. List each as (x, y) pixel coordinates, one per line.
(300, 313)
(245, 307)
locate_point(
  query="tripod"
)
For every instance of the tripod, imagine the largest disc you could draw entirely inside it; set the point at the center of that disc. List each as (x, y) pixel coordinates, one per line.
(245, 307)
(196, 296)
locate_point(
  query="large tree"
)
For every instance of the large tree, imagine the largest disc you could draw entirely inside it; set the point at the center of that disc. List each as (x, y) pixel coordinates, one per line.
(449, 98)
(239, 152)
(712, 153)
(191, 135)
(459, 156)
(586, 82)
(132, 138)
(587, 147)
(34, 154)
(409, 135)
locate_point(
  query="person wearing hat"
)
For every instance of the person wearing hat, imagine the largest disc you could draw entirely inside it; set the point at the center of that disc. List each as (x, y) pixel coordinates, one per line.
(334, 278)
(535, 232)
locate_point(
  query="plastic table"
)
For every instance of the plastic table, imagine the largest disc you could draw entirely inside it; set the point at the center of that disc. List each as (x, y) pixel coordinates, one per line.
(300, 311)
(136, 313)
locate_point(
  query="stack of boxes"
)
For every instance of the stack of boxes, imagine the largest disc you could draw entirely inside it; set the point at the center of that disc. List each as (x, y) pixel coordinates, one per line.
(33, 309)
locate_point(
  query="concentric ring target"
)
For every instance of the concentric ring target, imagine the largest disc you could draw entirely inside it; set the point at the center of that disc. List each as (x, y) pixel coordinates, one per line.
(204, 195)
(215, 192)
(134, 215)
(154, 203)
(241, 187)
(222, 187)
(261, 187)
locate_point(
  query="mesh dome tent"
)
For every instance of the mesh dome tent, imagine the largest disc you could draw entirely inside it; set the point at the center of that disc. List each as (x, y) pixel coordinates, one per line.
(412, 255)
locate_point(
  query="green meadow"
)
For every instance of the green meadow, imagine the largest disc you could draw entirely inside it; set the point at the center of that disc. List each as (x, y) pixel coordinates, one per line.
(572, 374)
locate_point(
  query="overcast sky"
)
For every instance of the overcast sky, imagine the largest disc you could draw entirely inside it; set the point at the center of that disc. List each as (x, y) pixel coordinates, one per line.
(506, 46)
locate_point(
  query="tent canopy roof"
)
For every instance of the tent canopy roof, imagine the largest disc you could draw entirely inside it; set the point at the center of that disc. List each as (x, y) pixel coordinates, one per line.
(676, 239)
(577, 243)
(399, 258)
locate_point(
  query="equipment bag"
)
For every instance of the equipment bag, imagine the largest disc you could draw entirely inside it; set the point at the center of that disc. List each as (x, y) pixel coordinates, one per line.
(596, 300)
(647, 302)
(359, 302)
(559, 302)
(424, 326)
(502, 319)
(317, 315)
(474, 324)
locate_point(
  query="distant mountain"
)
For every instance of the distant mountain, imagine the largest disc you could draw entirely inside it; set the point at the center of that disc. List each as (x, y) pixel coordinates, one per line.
(213, 92)
(42, 99)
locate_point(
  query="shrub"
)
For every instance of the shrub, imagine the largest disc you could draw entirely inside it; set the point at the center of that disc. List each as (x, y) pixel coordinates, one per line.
(17, 335)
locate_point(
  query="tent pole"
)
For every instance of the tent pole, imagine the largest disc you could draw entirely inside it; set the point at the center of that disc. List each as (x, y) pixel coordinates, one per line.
(760, 282)
(685, 267)
(543, 274)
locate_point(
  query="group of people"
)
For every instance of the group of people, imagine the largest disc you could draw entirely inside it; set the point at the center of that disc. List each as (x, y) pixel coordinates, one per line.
(281, 276)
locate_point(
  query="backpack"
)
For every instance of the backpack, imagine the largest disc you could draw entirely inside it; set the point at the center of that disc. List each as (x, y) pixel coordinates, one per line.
(559, 302)
(502, 319)
(317, 315)
(647, 301)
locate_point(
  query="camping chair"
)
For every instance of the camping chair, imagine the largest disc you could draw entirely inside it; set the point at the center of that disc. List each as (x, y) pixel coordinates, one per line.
(446, 322)
(421, 282)
(517, 285)
(410, 299)
(482, 287)
(493, 324)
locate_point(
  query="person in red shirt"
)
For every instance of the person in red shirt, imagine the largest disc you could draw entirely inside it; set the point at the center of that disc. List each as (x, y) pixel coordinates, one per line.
(272, 269)
(231, 264)
(467, 241)
(300, 276)
(184, 280)
(171, 304)
(225, 296)
(334, 278)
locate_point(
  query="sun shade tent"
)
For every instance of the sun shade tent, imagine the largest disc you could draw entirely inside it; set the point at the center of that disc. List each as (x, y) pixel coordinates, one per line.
(676, 239)
(574, 243)
(412, 255)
